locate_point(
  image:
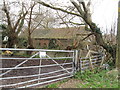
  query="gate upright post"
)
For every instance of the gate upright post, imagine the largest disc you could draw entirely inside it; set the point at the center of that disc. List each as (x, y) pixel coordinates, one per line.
(79, 61)
(73, 65)
(75, 61)
(76, 58)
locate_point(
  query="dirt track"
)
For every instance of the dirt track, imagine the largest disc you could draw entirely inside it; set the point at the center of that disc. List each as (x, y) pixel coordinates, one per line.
(25, 72)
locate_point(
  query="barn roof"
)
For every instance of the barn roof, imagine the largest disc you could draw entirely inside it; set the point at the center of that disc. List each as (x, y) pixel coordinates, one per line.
(57, 33)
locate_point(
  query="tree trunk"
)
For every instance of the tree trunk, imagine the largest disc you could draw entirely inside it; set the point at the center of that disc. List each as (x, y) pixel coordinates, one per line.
(12, 40)
(108, 48)
(99, 39)
(118, 40)
(30, 44)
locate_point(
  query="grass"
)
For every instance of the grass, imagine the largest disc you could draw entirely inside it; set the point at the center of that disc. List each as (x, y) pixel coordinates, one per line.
(96, 79)
(55, 85)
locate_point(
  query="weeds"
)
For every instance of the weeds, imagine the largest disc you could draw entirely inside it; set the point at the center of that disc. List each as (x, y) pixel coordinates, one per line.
(56, 85)
(96, 79)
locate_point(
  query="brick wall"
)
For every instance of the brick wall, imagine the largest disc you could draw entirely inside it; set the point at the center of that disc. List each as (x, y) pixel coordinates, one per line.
(44, 43)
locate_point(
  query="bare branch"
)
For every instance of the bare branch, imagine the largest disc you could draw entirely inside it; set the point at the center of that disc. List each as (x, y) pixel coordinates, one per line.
(62, 18)
(87, 36)
(72, 23)
(17, 23)
(30, 18)
(36, 26)
(78, 7)
(84, 7)
(7, 15)
(22, 22)
(56, 8)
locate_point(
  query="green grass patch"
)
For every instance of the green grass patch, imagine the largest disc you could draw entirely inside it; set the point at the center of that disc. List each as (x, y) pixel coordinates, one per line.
(56, 85)
(96, 79)
(91, 79)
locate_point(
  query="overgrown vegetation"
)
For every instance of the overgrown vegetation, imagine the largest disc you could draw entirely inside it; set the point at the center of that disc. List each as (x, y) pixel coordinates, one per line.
(97, 79)
(56, 85)
(52, 44)
(91, 79)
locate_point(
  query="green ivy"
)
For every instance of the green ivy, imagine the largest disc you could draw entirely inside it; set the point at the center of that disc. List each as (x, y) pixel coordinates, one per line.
(52, 44)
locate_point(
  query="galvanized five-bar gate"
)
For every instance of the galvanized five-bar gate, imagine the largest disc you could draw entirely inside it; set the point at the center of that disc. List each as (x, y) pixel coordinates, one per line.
(40, 67)
(22, 71)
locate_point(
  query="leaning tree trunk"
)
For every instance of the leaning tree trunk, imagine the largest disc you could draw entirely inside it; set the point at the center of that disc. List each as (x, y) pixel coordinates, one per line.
(108, 48)
(99, 39)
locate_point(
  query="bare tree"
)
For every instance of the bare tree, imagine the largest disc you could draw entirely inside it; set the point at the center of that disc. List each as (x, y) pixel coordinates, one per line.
(13, 27)
(30, 43)
(37, 20)
(83, 11)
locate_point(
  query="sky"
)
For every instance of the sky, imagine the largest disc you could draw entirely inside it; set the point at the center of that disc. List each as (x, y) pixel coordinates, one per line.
(104, 12)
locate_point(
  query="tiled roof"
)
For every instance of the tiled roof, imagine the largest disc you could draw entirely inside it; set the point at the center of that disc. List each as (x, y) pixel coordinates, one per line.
(58, 33)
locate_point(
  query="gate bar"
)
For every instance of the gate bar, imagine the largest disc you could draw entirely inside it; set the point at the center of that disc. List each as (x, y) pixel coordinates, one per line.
(36, 75)
(36, 50)
(35, 58)
(35, 66)
(34, 80)
(58, 64)
(18, 65)
(45, 82)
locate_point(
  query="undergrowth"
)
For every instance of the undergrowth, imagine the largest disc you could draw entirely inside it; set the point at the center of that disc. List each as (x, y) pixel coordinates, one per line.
(91, 79)
(96, 79)
(55, 85)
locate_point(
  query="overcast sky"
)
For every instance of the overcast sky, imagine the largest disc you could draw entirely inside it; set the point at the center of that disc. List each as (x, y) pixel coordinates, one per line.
(104, 12)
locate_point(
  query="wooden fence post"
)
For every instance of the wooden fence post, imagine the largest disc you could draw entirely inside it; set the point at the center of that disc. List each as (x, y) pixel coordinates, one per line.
(77, 60)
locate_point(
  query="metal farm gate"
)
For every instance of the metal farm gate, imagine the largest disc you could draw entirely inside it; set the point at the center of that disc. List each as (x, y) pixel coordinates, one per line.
(24, 68)
(43, 67)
